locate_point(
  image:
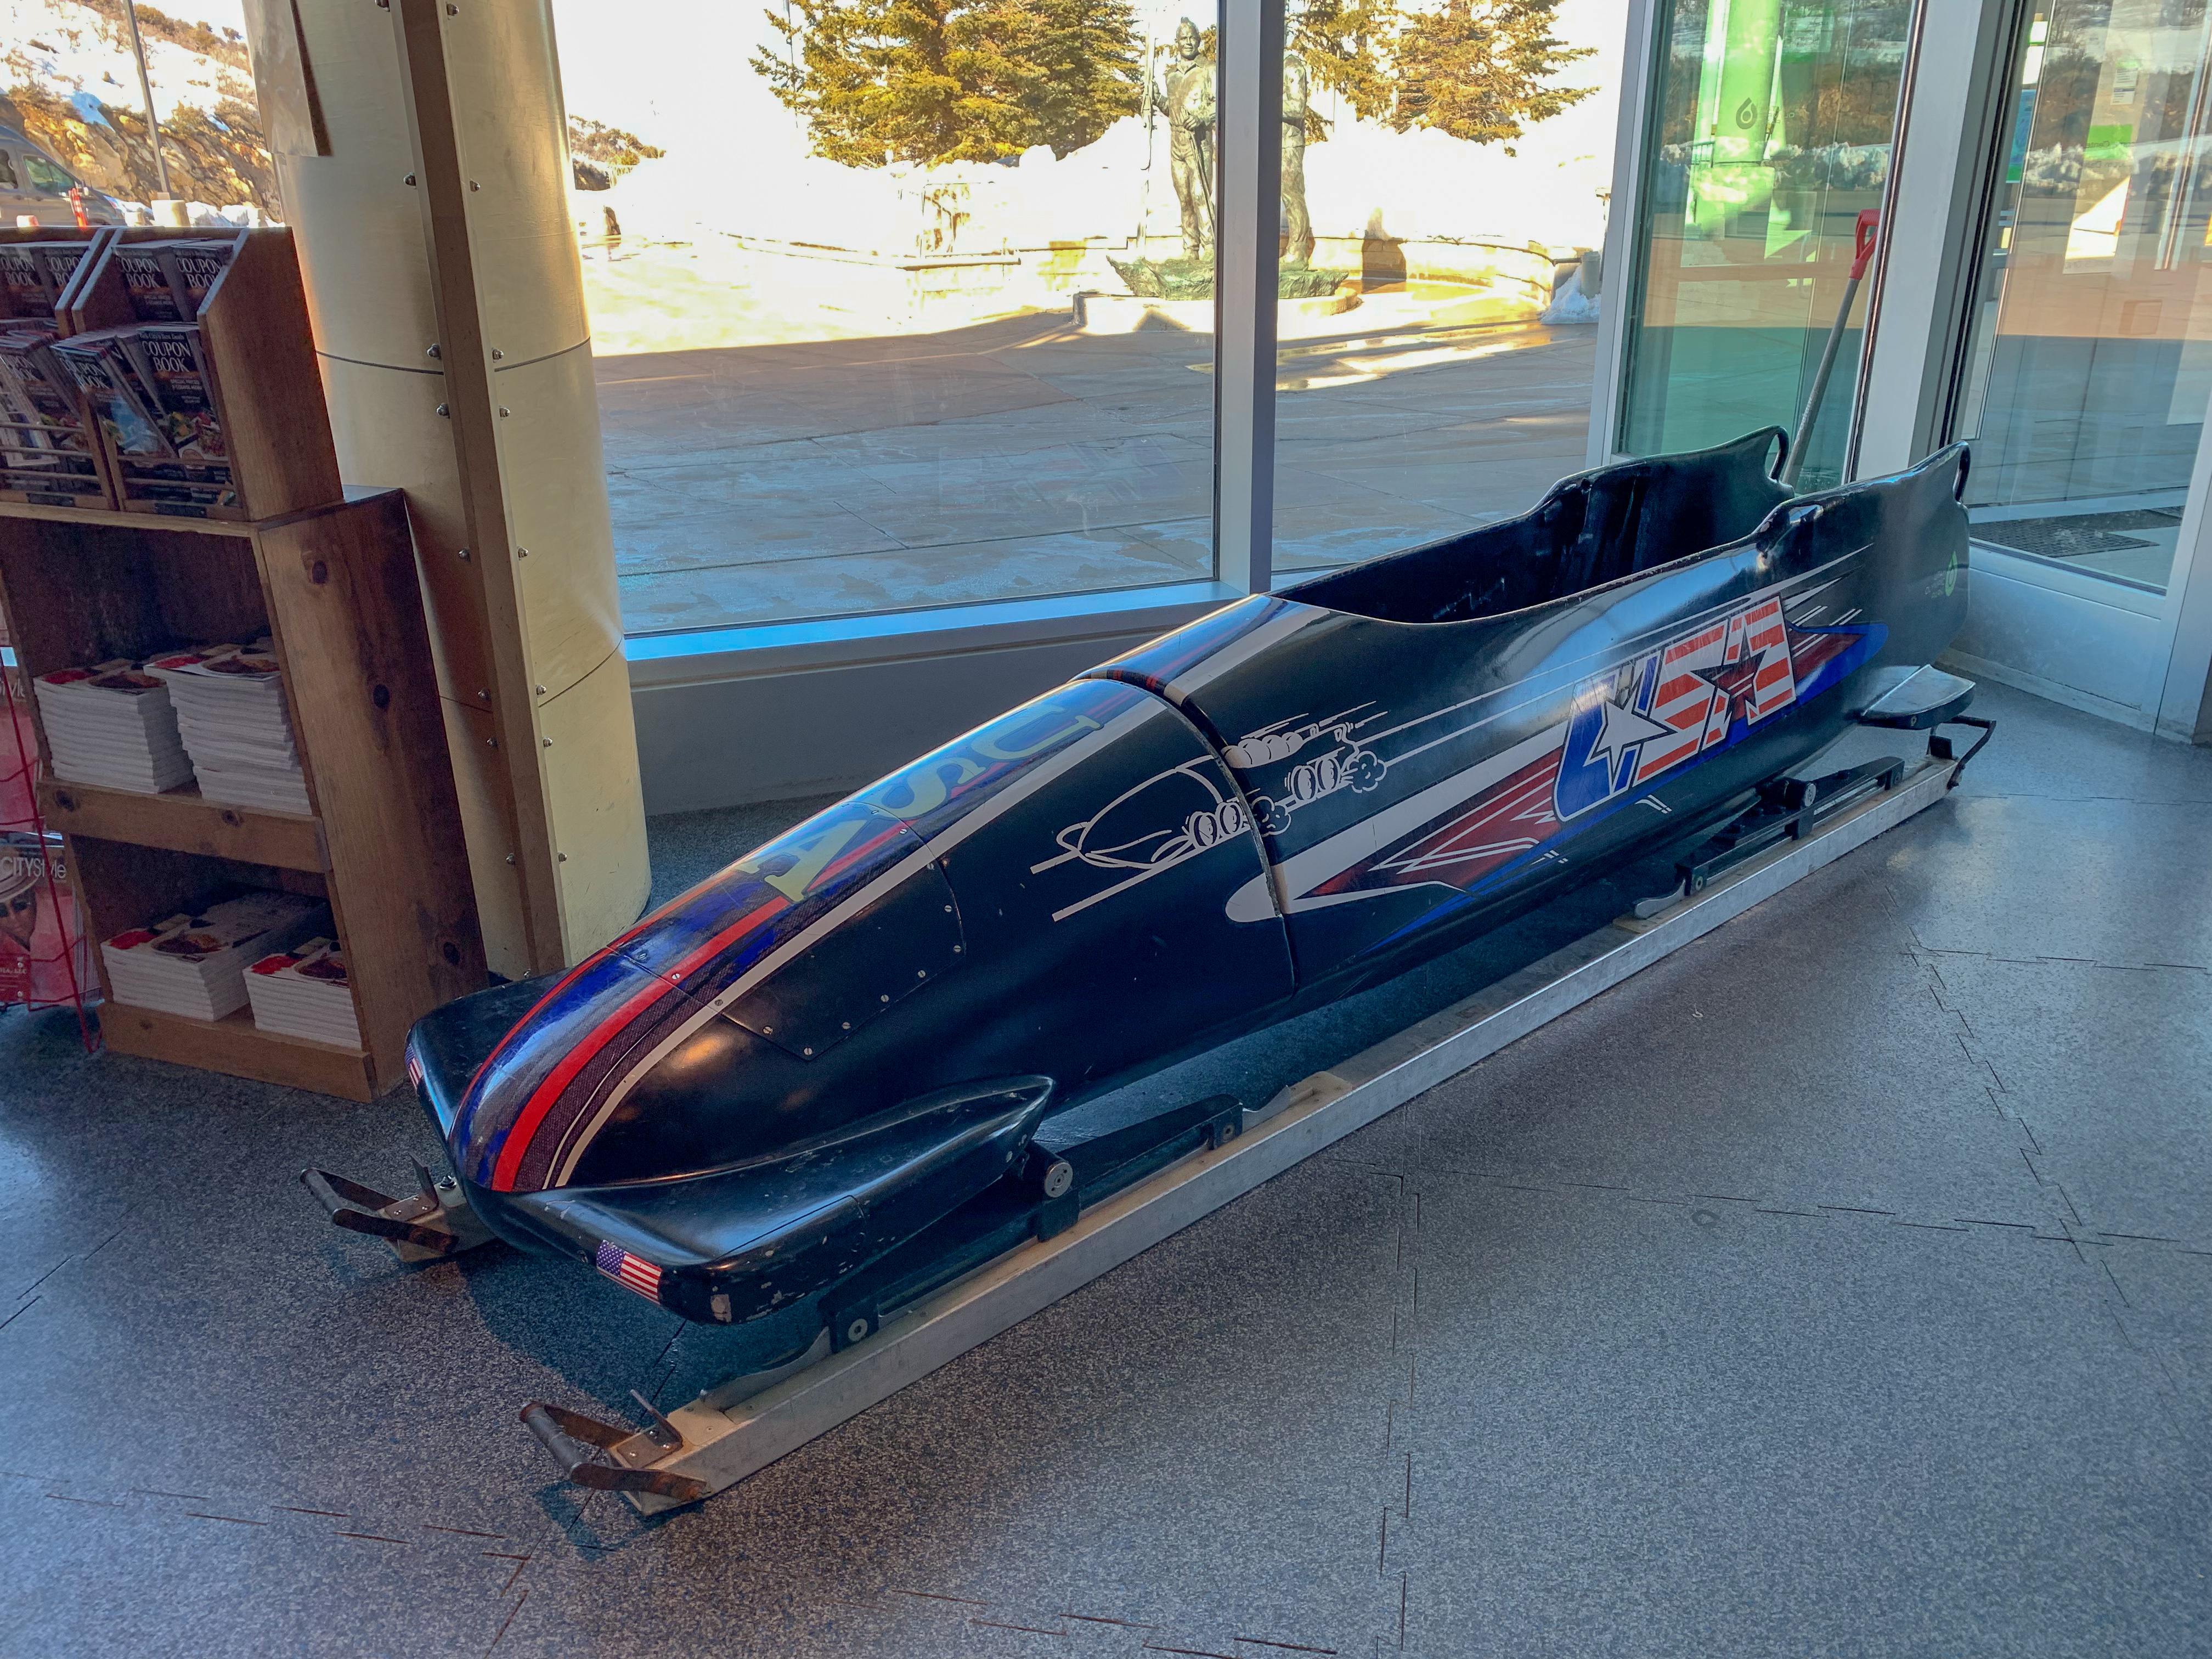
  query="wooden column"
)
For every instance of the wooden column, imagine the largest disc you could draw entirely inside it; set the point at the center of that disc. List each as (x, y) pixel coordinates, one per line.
(422, 156)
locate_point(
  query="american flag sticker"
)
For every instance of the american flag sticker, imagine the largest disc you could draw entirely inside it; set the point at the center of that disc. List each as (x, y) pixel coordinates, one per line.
(639, 1275)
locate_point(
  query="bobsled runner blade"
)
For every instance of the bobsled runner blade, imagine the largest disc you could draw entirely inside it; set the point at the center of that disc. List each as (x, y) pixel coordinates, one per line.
(606, 1458)
(429, 1225)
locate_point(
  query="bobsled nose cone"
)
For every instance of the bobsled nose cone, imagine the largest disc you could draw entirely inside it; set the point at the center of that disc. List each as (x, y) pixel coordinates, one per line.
(548, 1085)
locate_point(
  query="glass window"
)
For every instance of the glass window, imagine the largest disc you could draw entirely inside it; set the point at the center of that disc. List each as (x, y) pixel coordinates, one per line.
(7, 171)
(895, 307)
(1445, 177)
(2090, 364)
(1771, 132)
(45, 176)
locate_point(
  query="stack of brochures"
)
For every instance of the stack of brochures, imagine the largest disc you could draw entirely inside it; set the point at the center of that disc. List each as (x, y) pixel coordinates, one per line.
(304, 992)
(112, 725)
(194, 964)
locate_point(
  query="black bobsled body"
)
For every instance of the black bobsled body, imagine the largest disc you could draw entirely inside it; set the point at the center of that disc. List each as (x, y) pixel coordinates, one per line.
(853, 1031)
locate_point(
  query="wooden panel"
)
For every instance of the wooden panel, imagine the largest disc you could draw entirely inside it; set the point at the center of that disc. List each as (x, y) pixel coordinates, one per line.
(596, 812)
(556, 497)
(181, 822)
(79, 593)
(284, 79)
(239, 1047)
(122, 520)
(348, 618)
(254, 326)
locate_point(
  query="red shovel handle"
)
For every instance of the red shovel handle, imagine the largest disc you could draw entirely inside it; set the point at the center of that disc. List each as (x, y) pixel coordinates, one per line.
(1863, 239)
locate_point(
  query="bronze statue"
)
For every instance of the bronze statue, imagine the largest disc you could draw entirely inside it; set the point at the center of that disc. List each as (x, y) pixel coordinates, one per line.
(1297, 224)
(1186, 97)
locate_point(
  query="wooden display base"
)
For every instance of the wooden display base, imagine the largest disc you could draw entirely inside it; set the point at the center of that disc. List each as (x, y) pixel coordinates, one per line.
(238, 1046)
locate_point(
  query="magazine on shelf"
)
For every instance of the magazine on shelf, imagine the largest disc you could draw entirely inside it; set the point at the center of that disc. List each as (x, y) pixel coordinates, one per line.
(304, 992)
(44, 957)
(102, 367)
(24, 281)
(194, 267)
(58, 263)
(35, 380)
(172, 369)
(235, 723)
(194, 964)
(150, 283)
(112, 725)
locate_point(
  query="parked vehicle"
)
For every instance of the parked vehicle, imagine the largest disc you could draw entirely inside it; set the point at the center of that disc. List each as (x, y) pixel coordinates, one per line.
(32, 185)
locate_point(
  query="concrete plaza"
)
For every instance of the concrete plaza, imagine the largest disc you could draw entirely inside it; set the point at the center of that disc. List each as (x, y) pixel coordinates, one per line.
(1021, 457)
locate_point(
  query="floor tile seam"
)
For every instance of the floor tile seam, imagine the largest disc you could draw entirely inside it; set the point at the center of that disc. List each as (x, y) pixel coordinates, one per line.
(34, 1290)
(2054, 1229)
(2041, 1164)
(1162, 1632)
(285, 1520)
(1921, 948)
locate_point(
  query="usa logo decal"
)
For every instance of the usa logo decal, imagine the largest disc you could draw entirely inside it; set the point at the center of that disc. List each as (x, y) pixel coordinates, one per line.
(1657, 711)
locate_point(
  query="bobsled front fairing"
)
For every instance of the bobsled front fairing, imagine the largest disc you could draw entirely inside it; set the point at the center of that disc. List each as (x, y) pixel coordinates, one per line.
(856, 1030)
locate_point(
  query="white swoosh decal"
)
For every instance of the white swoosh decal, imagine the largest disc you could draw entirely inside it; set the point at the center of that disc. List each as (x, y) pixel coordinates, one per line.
(950, 837)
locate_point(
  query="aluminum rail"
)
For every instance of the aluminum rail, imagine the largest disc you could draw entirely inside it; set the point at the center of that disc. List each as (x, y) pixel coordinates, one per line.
(722, 1442)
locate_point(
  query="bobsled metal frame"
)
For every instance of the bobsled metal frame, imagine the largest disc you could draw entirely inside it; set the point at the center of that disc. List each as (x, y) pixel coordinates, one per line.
(747, 1423)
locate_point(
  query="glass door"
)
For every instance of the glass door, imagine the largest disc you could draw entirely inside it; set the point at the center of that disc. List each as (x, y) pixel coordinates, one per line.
(1770, 129)
(2088, 358)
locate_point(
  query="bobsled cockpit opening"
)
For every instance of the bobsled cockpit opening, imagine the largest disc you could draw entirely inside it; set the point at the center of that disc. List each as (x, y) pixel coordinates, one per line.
(1593, 528)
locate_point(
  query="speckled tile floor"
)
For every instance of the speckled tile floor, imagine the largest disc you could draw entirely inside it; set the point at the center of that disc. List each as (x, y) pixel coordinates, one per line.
(1841, 1285)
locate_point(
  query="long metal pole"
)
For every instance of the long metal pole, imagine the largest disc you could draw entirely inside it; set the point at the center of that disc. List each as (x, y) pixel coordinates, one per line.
(1247, 233)
(146, 86)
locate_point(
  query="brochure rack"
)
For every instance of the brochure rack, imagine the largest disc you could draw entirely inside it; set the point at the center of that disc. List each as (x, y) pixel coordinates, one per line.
(335, 586)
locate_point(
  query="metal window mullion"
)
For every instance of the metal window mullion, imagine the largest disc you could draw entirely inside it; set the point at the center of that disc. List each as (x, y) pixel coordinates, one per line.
(1249, 140)
(1620, 269)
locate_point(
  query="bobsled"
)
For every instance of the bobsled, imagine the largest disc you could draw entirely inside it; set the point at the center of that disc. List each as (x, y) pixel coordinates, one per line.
(830, 1073)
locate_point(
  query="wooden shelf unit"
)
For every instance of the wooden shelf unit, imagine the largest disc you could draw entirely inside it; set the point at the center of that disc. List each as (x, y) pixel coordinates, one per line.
(260, 354)
(335, 588)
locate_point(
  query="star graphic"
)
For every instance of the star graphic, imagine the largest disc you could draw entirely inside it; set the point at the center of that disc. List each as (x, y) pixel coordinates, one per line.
(1737, 682)
(1623, 728)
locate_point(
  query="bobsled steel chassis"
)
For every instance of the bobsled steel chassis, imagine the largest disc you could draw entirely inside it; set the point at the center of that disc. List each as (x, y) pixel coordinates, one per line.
(747, 1422)
(767, 1104)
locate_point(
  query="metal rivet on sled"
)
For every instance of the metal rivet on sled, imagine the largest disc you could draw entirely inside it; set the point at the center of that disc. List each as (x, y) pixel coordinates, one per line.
(768, 1030)
(948, 909)
(848, 1025)
(884, 999)
(806, 1052)
(921, 973)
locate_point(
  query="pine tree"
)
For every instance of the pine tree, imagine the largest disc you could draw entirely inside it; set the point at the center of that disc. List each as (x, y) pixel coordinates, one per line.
(1478, 70)
(930, 81)
(1343, 43)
